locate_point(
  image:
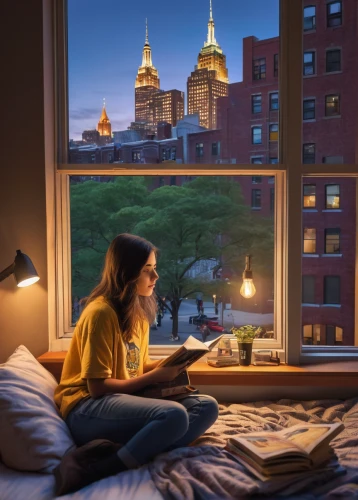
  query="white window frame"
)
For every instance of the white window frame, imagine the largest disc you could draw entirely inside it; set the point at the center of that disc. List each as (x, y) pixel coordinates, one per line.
(288, 199)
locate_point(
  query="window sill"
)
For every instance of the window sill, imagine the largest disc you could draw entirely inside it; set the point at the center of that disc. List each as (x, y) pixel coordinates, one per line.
(310, 255)
(332, 255)
(309, 210)
(335, 374)
(331, 305)
(310, 305)
(331, 117)
(332, 210)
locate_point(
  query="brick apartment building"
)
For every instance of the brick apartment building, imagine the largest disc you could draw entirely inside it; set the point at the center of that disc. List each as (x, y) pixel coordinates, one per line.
(248, 132)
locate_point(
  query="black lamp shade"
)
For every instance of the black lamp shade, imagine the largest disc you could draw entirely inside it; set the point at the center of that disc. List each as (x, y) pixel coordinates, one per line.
(24, 270)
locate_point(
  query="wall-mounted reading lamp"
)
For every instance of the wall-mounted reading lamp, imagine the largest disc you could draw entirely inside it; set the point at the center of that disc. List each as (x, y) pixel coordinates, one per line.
(23, 270)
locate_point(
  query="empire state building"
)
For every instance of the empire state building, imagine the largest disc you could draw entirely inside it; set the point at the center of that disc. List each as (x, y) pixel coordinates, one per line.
(146, 85)
(209, 80)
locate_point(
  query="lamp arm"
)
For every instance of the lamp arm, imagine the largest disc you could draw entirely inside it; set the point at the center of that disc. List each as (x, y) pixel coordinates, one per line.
(6, 272)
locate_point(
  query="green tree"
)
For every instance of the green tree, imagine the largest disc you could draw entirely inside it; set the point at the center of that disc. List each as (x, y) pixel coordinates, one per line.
(204, 219)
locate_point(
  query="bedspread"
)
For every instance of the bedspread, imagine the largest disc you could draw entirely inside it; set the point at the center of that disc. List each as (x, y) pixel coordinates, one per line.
(205, 470)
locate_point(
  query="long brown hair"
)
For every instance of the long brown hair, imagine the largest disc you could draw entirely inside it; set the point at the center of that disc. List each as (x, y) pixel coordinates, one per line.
(125, 258)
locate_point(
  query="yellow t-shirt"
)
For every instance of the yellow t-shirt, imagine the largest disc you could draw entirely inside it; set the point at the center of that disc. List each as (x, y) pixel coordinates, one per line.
(98, 350)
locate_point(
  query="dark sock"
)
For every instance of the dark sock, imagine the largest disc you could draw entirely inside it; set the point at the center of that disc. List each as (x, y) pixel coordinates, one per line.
(110, 466)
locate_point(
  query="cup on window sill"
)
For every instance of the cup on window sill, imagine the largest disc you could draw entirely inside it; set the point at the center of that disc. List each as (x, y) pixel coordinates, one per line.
(224, 348)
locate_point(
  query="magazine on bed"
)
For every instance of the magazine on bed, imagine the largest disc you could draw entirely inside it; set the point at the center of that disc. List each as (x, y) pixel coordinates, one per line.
(269, 455)
(192, 350)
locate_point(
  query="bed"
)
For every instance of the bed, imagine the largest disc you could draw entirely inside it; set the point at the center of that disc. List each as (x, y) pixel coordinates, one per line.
(33, 439)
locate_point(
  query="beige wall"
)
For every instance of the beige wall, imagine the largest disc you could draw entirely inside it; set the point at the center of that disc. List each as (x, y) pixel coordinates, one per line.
(23, 312)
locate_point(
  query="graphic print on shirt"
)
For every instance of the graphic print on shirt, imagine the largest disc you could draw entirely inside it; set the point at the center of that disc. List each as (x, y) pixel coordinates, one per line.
(132, 360)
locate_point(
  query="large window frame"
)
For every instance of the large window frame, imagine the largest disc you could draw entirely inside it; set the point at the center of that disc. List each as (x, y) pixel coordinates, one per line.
(288, 199)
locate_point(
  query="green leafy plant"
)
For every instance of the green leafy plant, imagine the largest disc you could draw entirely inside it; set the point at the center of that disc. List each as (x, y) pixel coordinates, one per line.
(246, 333)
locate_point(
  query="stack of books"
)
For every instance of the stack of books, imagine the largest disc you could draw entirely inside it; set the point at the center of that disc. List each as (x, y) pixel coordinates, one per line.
(219, 361)
(293, 452)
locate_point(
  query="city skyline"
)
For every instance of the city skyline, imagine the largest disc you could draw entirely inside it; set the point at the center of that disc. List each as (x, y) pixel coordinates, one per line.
(104, 63)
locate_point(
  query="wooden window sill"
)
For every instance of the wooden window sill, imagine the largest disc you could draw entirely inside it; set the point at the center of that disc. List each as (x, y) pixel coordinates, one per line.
(335, 374)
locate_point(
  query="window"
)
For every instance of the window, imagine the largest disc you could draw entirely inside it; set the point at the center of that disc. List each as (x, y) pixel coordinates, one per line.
(308, 290)
(334, 14)
(199, 150)
(274, 161)
(332, 290)
(338, 335)
(136, 156)
(309, 240)
(256, 104)
(259, 69)
(309, 18)
(256, 179)
(173, 180)
(309, 112)
(332, 196)
(273, 132)
(309, 196)
(333, 60)
(236, 151)
(275, 65)
(256, 199)
(307, 334)
(256, 135)
(274, 101)
(332, 107)
(332, 238)
(256, 160)
(215, 148)
(173, 153)
(322, 334)
(309, 64)
(309, 153)
(272, 199)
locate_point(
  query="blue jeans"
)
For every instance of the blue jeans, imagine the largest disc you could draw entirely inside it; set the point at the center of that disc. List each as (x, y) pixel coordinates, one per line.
(145, 426)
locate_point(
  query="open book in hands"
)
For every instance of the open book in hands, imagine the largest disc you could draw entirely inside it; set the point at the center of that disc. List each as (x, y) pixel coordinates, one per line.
(192, 350)
(300, 448)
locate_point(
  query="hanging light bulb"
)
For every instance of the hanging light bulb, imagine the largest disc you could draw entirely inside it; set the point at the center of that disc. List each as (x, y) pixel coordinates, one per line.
(247, 289)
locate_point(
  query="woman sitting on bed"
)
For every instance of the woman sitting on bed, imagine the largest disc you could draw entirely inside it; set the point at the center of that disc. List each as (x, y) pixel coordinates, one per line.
(107, 363)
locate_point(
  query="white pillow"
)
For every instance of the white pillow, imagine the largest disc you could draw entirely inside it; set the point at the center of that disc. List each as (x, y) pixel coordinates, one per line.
(33, 436)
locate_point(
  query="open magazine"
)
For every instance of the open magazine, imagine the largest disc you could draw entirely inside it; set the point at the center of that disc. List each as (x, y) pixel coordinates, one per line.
(302, 447)
(192, 350)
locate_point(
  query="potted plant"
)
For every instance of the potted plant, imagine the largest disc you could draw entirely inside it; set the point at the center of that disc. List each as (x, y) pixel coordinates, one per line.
(245, 336)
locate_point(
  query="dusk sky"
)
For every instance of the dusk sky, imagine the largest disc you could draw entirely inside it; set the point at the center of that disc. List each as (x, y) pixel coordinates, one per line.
(106, 39)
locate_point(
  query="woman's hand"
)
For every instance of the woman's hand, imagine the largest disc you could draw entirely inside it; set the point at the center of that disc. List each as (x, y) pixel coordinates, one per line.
(166, 373)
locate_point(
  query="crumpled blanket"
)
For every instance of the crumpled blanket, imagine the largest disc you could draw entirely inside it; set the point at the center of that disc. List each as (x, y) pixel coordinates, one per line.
(205, 471)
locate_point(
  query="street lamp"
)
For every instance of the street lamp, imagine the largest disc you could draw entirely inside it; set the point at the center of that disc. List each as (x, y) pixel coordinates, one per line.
(247, 289)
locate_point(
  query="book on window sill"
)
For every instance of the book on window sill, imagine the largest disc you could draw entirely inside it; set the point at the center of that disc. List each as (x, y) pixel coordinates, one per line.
(220, 361)
(273, 455)
(192, 350)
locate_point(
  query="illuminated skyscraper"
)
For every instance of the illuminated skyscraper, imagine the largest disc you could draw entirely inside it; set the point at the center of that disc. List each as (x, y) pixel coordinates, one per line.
(209, 80)
(168, 106)
(146, 84)
(104, 126)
